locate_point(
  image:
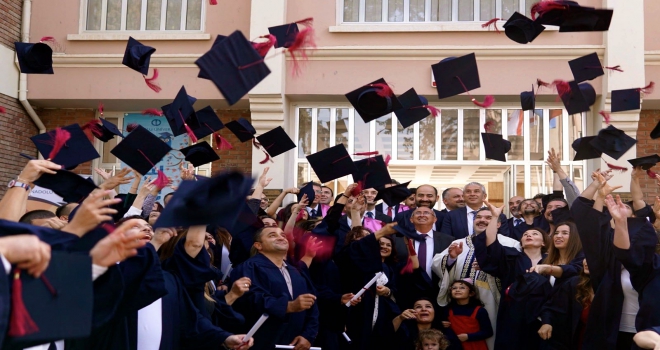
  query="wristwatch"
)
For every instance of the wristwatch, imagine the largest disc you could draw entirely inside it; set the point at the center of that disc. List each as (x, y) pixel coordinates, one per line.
(14, 183)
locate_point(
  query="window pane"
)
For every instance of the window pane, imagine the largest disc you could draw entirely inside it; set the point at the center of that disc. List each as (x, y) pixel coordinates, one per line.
(515, 118)
(341, 127)
(536, 180)
(361, 131)
(194, 15)
(494, 116)
(113, 16)
(536, 136)
(302, 174)
(528, 8)
(133, 14)
(373, 10)
(417, 9)
(173, 19)
(395, 10)
(427, 139)
(509, 7)
(465, 10)
(578, 177)
(574, 130)
(304, 132)
(487, 9)
(405, 142)
(384, 134)
(441, 10)
(449, 125)
(555, 132)
(520, 181)
(153, 14)
(322, 129)
(351, 10)
(93, 15)
(471, 134)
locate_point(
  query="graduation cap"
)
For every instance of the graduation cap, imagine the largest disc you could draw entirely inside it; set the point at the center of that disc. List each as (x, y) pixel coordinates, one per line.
(141, 150)
(72, 187)
(332, 163)
(276, 142)
(521, 29)
(242, 128)
(580, 98)
(34, 58)
(199, 154)
(613, 142)
(137, 56)
(216, 201)
(210, 123)
(64, 290)
(552, 12)
(372, 172)
(626, 100)
(646, 163)
(105, 131)
(495, 146)
(395, 194)
(655, 133)
(308, 189)
(586, 19)
(457, 75)
(586, 68)
(67, 146)
(234, 66)
(415, 108)
(374, 100)
(584, 150)
(285, 34)
(181, 116)
(528, 100)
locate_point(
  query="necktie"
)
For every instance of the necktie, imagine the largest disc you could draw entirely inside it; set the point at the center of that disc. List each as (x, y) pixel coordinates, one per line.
(471, 223)
(313, 213)
(370, 215)
(421, 252)
(389, 211)
(517, 222)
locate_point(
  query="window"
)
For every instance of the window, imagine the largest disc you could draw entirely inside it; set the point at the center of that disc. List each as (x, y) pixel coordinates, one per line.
(144, 15)
(415, 11)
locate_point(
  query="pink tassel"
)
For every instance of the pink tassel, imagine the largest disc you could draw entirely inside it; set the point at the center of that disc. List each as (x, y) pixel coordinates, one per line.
(101, 108)
(387, 160)
(161, 181)
(562, 87)
(47, 39)
(298, 49)
(492, 22)
(221, 143)
(606, 116)
(132, 126)
(152, 111)
(358, 189)
(616, 167)
(213, 2)
(489, 124)
(263, 47)
(60, 137)
(434, 111)
(265, 160)
(648, 89)
(306, 22)
(151, 82)
(543, 7)
(488, 101)
(651, 174)
(20, 322)
(256, 143)
(384, 90)
(191, 134)
(540, 83)
(374, 153)
(3, 110)
(94, 127)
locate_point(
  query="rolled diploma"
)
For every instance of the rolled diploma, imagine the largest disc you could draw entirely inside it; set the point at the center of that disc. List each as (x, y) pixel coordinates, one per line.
(255, 328)
(346, 337)
(224, 276)
(367, 286)
(291, 347)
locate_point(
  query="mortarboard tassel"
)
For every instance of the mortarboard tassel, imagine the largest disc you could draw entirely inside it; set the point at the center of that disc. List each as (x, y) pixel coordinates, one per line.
(562, 87)
(358, 189)
(651, 174)
(263, 47)
(606, 116)
(374, 153)
(616, 167)
(492, 22)
(265, 160)
(213, 2)
(101, 109)
(191, 134)
(152, 111)
(151, 81)
(3, 110)
(94, 127)
(304, 41)
(20, 323)
(387, 160)
(162, 180)
(648, 89)
(383, 90)
(221, 143)
(616, 68)
(408, 268)
(47, 39)
(488, 100)
(59, 138)
(544, 6)
(132, 126)
(306, 22)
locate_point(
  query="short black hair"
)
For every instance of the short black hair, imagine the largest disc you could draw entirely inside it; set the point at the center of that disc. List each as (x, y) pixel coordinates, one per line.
(540, 195)
(124, 219)
(28, 217)
(331, 191)
(64, 210)
(313, 184)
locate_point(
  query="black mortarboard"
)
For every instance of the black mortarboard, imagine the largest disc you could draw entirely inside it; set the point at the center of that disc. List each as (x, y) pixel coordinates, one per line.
(208, 121)
(216, 201)
(646, 163)
(276, 142)
(521, 29)
(586, 68)
(625, 100)
(586, 19)
(528, 100)
(580, 98)
(234, 66)
(217, 40)
(34, 58)
(613, 142)
(180, 111)
(72, 187)
(308, 189)
(655, 133)
(584, 150)
(369, 104)
(200, 154)
(372, 172)
(76, 150)
(141, 150)
(137, 56)
(456, 75)
(395, 194)
(242, 129)
(495, 146)
(66, 292)
(105, 131)
(285, 34)
(413, 110)
(332, 163)
(555, 16)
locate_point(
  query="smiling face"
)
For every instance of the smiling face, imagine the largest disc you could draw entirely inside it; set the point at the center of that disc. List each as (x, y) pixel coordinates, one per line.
(424, 311)
(460, 291)
(454, 199)
(532, 239)
(370, 196)
(481, 221)
(529, 207)
(317, 195)
(272, 240)
(410, 202)
(423, 216)
(552, 205)
(474, 195)
(385, 247)
(326, 195)
(145, 228)
(425, 196)
(513, 205)
(560, 236)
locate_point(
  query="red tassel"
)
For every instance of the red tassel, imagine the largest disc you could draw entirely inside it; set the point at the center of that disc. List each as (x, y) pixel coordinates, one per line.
(408, 268)
(648, 89)
(265, 159)
(488, 101)
(606, 116)
(256, 143)
(60, 137)
(434, 111)
(489, 124)
(384, 90)
(161, 180)
(651, 174)
(20, 323)
(263, 47)
(152, 111)
(387, 160)
(47, 39)
(3, 110)
(374, 153)
(213, 2)
(191, 134)
(101, 108)
(306, 22)
(132, 126)
(151, 83)
(492, 22)
(562, 87)
(616, 68)
(221, 143)
(540, 83)
(542, 7)
(94, 127)
(304, 41)
(616, 167)
(358, 189)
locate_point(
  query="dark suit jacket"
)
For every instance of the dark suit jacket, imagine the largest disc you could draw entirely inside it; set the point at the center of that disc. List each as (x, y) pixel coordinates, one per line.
(515, 232)
(379, 209)
(344, 227)
(455, 224)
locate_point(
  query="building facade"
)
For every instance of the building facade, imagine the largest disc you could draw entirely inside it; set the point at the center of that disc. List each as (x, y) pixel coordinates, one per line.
(358, 42)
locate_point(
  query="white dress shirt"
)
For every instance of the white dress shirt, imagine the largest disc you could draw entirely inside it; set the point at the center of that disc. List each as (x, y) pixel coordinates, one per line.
(470, 219)
(429, 250)
(150, 326)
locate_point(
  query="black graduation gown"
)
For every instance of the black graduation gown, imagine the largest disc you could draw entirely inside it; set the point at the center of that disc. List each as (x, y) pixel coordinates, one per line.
(332, 314)
(563, 313)
(269, 295)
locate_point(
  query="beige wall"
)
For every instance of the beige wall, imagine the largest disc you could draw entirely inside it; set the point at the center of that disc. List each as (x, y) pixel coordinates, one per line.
(651, 25)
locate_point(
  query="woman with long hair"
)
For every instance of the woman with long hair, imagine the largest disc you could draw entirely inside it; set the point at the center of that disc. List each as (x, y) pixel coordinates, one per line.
(411, 322)
(565, 250)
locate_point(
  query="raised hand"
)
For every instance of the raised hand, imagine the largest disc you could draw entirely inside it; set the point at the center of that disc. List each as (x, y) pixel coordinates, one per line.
(34, 168)
(455, 249)
(263, 179)
(604, 189)
(121, 177)
(102, 173)
(553, 160)
(494, 210)
(408, 314)
(54, 223)
(312, 246)
(541, 269)
(91, 212)
(119, 245)
(187, 173)
(27, 252)
(616, 208)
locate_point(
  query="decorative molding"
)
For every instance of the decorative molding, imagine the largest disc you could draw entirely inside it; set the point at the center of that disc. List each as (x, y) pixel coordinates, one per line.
(652, 58)
(267, 111)
(160, 35)
(420, 27)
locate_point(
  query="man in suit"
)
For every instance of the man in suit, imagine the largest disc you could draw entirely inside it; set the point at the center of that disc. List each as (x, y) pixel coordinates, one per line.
(425, 196)
(370, 218)
(383, 208)
(460, 222)
(452, 198)
(316, 208)
(516, 215)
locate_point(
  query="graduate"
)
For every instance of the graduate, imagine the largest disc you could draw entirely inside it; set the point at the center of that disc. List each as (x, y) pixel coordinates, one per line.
(466, 316)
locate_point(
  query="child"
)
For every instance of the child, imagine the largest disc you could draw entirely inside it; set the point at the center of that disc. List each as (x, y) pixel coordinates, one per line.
(467, 316)
(431, 339)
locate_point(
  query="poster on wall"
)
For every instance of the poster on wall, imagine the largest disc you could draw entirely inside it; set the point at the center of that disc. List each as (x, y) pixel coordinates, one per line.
(171, 162)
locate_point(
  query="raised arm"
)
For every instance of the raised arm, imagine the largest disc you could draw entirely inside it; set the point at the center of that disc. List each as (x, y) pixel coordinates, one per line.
(618, 211)
(14, 203)
(261, 184)
(295, 211)
(604, 190)
(272, 209)
(491, 230)
(636, 190)
(195, 240)
(590, 191)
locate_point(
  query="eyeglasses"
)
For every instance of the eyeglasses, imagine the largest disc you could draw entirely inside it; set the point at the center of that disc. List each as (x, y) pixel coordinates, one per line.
(423, 213)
